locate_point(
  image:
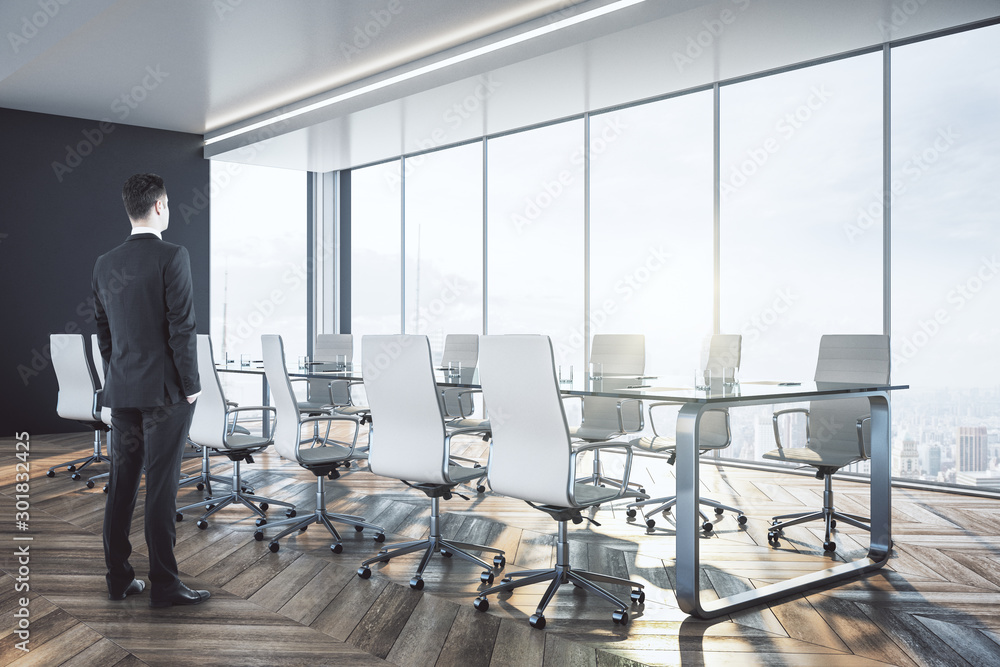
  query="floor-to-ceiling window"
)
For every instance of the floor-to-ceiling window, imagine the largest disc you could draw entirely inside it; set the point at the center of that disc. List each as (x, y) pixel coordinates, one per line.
(376, 249)
(651, 227)
(535, 232)
(945, 238)
(259, 266)
(444, 243)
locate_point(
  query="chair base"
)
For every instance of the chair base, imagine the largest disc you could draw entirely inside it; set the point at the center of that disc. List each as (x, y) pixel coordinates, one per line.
(598, 478)
(828, 515)
(436, 543)
(320, 516)
(236, 495)
(561, 574)
(204, 478)
(76, 466)
(667, 502)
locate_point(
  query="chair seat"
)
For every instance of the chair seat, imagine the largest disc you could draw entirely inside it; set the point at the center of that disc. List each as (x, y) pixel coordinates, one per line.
(244, 441)
(313, 406)
(482, 424)
(588, 494)
(352, 410)
(593, 433)
(460, 474)
(311, 456)
(806, 456)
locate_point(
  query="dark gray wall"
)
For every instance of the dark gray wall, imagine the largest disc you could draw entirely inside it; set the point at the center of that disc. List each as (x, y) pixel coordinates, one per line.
(60, 208)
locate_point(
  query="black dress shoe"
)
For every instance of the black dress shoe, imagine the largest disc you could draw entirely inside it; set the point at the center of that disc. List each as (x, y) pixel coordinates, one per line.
(181, 596)
(134, 588)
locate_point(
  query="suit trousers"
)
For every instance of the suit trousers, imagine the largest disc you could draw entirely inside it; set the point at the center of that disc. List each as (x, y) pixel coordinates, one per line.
(150, 438)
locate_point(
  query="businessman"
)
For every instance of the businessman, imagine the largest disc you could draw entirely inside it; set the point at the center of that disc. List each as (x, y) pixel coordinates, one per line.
(146, 330)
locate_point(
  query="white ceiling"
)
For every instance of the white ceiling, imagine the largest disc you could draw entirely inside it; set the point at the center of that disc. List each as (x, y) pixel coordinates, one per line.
(212, 67)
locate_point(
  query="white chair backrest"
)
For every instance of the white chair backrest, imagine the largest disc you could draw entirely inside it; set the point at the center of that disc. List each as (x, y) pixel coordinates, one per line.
(857, 359)
(328, 346)
(285, 430)
(95, 352)
(407, 437)
(208, 424)
(77, 395)
(721, 351)
(463, 348)
(617, 354)
(530, 454)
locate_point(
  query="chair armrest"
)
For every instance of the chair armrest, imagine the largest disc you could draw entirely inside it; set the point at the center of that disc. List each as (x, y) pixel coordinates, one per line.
(621, 417)
(608, 445)
(774, 423)
(329, 418)
(862, 450)
(249, 408)
(660, 404)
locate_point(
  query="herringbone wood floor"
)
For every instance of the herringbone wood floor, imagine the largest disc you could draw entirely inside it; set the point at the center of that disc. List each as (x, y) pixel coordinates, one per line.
(934, 604)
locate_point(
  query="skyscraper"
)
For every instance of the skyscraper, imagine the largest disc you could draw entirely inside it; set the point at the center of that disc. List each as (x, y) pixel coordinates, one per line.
(971, 451)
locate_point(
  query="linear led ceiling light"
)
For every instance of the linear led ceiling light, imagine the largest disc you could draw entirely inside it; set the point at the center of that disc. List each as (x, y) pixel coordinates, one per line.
(433, 67)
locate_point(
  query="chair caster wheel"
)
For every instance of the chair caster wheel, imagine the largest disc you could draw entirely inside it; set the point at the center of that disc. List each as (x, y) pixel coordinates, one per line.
(445, 553)
(833, 523)
(364, 572)
(630, 512)
(481, 604)
(274, 546)
(200, 486)
(105, 488)
(51, 473)
(90, 483)
(261, 522)
(830, 546)
(486, 578)
(742, 519)
(507, 579)
(75, 476)
(650, 523)
(258, 535)
(481, 488)
(638, 596)
(772, 537)
(718, 511)
(380, 537)
(289, 513)
(209, 507)
(620, 617)
(537, 621)
(71, 468)
(358, 529)
(337, 548)
(202, 524)
(417, 584)
(499, 562)
(179, 517)
(708, 527)
(263, 507)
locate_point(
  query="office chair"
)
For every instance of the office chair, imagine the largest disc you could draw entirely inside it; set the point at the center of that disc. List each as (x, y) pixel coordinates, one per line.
(328, 348)
(410, 443)
(212, 428)
(533, 459)
(608, 418)
(720, 351)
(78, 399)
(838, 432)
(456, 402)
(322, 461)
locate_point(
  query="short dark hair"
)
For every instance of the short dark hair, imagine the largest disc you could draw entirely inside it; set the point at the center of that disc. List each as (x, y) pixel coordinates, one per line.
(140, 193)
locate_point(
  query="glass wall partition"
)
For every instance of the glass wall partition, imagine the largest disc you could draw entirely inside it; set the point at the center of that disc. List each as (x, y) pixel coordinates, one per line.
(376, 251)
(259, 265)
(535, 233)
(444, 243)
(800, 158)
(651, 227)
(945, 235)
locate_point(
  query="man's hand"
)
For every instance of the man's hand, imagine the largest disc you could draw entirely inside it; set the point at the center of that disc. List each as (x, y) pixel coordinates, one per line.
(193, 398)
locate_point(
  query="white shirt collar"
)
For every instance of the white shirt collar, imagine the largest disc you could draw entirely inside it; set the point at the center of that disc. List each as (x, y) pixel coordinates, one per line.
(147, 230)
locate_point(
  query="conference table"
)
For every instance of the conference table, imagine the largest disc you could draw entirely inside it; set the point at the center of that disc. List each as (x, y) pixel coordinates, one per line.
(693, 403)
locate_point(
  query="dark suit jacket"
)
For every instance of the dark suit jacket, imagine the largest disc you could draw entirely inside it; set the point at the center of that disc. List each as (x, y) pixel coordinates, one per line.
(145, 323)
